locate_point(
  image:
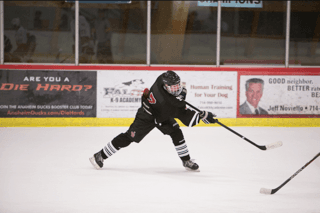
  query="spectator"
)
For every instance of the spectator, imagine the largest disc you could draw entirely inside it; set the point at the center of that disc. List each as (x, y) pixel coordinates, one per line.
(85, 43)
(8, 57)
(37, 22)
(21, 39)
(26, 43)
(102, 29)
(7, 44)
(64, 22)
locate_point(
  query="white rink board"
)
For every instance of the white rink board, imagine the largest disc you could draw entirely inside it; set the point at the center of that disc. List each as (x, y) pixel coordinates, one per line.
(119, 92)
(285, 94)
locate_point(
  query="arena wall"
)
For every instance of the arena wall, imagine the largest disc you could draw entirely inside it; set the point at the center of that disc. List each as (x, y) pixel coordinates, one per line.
(68, 95)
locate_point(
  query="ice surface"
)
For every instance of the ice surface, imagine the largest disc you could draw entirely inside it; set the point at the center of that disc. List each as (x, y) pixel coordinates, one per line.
(48, 170)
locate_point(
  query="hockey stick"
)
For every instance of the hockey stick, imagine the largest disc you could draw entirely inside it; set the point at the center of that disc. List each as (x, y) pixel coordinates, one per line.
(267, 147)
(272, 191)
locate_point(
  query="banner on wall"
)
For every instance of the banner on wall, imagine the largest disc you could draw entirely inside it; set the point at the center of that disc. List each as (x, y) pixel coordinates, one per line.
(232, 3)
(280, 95)
(101, 1)
(30, 93)
(119, 92)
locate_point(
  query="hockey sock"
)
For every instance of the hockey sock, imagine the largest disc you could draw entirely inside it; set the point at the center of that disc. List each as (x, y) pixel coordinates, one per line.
(182, 151)
(180, 145)
(108, 151)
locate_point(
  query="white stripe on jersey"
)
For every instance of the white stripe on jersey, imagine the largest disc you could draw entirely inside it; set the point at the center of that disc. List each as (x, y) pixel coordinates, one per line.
(195, 120)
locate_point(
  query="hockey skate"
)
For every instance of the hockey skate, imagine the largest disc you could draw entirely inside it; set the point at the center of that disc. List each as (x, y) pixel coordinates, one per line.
(190, 165)
(97, 160)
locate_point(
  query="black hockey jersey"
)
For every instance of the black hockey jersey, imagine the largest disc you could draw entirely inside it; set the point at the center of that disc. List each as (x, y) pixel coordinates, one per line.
(165, 106)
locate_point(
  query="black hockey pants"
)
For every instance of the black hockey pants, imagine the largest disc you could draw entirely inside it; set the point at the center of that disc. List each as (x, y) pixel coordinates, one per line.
(142, 125)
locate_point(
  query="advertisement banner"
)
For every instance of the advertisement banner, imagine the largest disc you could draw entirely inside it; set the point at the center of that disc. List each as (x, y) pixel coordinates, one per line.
(232, 3)
(119, 92)
(279, 95)
(30, 93)
(101, 1)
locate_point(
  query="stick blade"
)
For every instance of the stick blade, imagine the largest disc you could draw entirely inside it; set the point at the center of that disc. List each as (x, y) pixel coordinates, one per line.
(274, 145)
(265, 191)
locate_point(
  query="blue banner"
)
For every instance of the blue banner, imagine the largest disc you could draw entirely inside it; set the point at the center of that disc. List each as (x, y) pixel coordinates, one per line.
(102, 1)
(232, 3)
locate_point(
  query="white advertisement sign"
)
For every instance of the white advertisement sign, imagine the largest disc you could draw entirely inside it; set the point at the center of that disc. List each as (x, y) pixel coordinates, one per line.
(296, 95)
(119, 92)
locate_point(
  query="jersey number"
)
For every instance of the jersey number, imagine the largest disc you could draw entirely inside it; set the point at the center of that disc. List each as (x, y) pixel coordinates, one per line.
(151, 99)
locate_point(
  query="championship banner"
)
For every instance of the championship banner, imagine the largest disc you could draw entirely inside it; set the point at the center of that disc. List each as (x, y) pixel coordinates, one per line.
(232, 3)
(279, 95)
(119, 92)
(30, 93)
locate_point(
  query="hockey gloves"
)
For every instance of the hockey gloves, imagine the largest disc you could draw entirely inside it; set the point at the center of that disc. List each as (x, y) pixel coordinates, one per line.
(145, 103)
(182, 95)
(207, 117)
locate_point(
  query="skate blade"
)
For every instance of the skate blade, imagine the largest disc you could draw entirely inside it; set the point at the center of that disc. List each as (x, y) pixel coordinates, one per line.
(93, 162)
(191, 170)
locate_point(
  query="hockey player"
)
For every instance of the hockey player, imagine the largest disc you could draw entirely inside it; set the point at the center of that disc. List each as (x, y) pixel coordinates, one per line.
(160, 105)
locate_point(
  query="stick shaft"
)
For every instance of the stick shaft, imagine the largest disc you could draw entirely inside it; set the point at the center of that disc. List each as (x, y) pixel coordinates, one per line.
(244, 138)
(295, 174)
(258, 146)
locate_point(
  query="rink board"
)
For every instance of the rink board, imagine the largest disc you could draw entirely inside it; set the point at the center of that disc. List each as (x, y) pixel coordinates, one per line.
(291, 95)
(94, 122)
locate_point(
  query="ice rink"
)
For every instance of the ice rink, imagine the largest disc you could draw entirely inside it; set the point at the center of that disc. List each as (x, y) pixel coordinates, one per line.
(47, 170)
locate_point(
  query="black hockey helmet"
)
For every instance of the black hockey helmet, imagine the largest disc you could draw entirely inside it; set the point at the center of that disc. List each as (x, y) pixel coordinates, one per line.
(172, 83)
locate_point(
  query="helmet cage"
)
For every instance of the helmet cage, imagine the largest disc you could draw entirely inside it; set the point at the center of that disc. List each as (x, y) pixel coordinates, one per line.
(173, 89)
